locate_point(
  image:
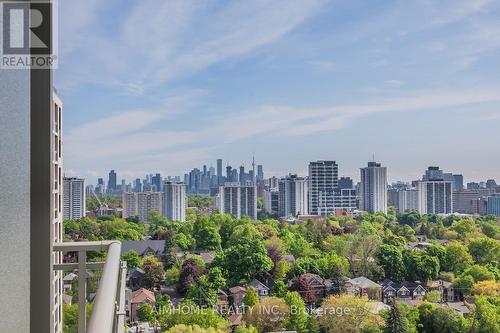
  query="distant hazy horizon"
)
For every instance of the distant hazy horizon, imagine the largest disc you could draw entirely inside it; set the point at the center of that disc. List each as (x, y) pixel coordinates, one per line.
(167, 86)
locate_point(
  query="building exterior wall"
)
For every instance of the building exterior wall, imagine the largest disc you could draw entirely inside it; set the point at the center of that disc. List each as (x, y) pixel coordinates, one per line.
(57, 203)
(142, 204)
(408, 200)
(373, 190)
(174, 207)
(74, 198)
(323, 180)
(494, 204)
(435, 197)
(271, 201)
(293, 196)
(238, 200)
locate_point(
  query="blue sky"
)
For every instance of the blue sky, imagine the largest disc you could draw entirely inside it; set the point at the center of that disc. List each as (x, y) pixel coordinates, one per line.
(157, 85)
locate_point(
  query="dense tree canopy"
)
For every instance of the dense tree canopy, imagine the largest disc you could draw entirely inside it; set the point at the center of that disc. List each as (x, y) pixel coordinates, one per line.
(372, 245)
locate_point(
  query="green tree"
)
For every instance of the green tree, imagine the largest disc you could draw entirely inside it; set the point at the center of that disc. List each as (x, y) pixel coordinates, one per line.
(411, 218)
(243, 260)
(457, 258)
(245, 329)
(251, 297)
(132, 258)
(420, 266)
(188, 313)
(70, 317)
(354, 316)
(145, 313)
(396, 321)
(484, 250)
(200, 201)
(486, 315)
(280, 289)
(464, 283)
(463, 227)
(266, 320)
(479, 273)
(206, 235)
(433, 296)
(437, 319)
(153, 272)
(298, 312)
(181, 328)
(391, 260)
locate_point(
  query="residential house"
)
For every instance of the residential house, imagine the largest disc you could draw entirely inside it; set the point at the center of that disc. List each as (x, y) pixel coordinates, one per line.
(446, 289)
(405, 290)
(134, 278)
(68, 280)
(362, 286)
(138, 298)
(222, 303)
(261, 288)
(237, 295)
(315, 282)
(148, 247)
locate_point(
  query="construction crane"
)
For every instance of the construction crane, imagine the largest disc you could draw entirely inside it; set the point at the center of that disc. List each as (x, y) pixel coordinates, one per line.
(103, 208)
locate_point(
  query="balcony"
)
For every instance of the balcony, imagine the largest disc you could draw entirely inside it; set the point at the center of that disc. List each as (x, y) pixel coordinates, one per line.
(108, 311)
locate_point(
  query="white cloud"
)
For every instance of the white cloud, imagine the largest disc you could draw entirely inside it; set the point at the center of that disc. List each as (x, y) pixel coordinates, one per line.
(165, 40)
(139, 145)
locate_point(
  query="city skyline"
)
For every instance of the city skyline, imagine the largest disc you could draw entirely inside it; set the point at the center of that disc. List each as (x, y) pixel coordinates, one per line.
(372, 78)
(353, 175)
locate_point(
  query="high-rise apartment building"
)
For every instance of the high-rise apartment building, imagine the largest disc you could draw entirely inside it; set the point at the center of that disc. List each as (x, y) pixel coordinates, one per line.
(458, 182)
(345, 183)
(141, 204)
(469, 202)
(407, 200)
(174, 196)
(238, 200)
(346, 199)
(112, 181)
(74, 198)
(271, 201)
(494, 204)
(435, 193)
(323, 181)
(373, 188)
(293, 200)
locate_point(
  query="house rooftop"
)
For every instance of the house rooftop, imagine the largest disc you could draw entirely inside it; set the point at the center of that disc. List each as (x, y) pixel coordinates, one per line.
(157, 246)
(237, 289)
(363, 282)
(141, 295)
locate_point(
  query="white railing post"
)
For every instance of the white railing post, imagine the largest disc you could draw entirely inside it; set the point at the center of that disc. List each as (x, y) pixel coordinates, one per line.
(108, 311)
(104, 308)
(82, 292)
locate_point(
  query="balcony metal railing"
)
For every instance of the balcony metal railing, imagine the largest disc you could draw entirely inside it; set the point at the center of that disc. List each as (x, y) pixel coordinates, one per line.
(108, 311)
